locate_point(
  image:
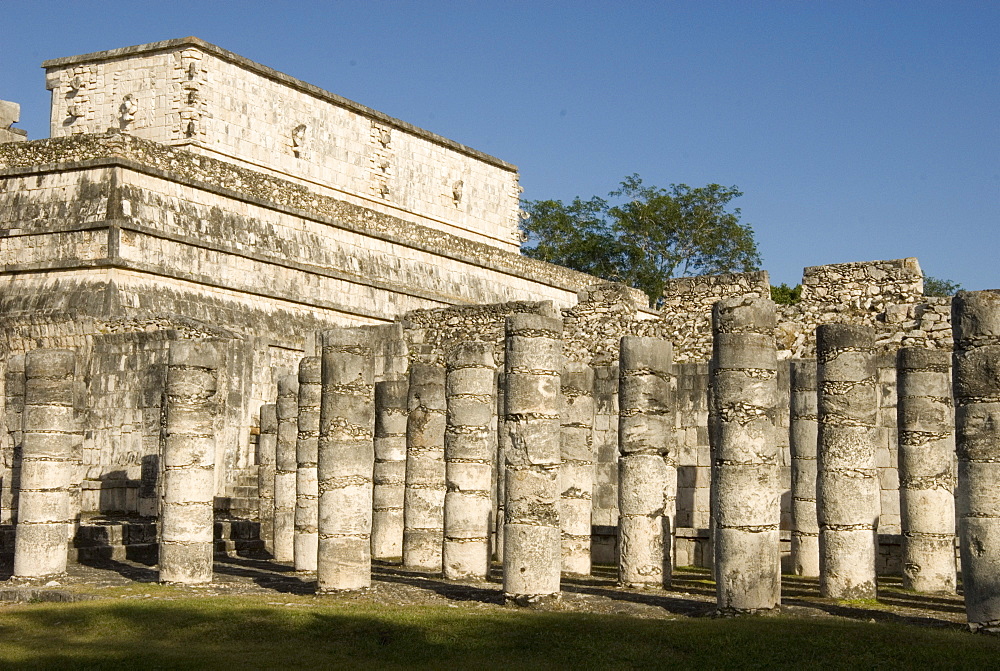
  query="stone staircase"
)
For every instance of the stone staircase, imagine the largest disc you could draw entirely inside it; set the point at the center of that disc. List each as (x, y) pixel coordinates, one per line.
(240, 500)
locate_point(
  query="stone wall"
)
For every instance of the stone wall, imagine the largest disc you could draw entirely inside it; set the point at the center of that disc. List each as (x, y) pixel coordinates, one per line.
(191, 93)
(686, 314)
(215, 224)
(120, 380)
(866, 284)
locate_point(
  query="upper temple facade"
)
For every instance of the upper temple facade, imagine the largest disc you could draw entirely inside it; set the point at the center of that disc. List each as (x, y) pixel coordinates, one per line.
(191, 94)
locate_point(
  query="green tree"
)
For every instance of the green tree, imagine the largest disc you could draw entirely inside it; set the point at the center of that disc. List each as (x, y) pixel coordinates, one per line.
(936, 286)
(643, 235)
(786, 295)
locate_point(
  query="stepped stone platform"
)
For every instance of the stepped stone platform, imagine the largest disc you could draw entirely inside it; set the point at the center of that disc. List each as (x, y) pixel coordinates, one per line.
(105, 538)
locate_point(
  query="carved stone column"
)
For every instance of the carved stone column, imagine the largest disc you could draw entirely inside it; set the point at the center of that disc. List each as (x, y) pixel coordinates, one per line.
(926, 423)
(747, 498)
(346, 460)
(423, 507)
(975, 321)
(576, 475)
(50, 432)
(287, 409)
(469, 451)
(802, 441)
(647, 468)
(306, 539)
(532, 546)
(267, 450)
(500, 475)
(847, 488)
(13, 413)
(390, 468)
(187, 518)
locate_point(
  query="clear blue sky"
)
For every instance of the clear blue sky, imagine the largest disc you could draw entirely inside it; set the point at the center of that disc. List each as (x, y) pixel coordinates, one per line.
(857, 130)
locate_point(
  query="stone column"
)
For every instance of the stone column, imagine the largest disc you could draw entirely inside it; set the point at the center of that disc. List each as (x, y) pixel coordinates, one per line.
(500, 473)
(267, 447)
(576, 474)
(187, 519)
(975, 324)
(346, 460)
(390, 468)
(746, 508)
(647, 468)
(306, 540)
(847, 492)
(423, 507)
(13, 413)
(49, 436)
(802, 438)
(926, 422)
(287, 410)
(532, 545)
(469, 450)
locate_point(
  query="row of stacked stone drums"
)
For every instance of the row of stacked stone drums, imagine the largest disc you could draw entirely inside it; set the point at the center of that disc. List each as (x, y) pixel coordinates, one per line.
(340, 440)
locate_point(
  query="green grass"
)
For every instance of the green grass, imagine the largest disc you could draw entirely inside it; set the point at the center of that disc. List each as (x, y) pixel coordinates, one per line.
(253, 632)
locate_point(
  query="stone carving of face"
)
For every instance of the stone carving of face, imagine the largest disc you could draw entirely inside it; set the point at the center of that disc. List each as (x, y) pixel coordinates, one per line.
(128, 108)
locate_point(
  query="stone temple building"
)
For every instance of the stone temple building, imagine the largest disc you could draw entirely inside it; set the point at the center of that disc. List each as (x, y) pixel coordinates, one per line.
(189, 193)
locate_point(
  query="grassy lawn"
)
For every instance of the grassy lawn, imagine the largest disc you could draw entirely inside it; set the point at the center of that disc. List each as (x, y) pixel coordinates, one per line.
(287, 632)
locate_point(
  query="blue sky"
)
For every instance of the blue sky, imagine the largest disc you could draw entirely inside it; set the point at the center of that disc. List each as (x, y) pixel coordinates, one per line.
(856, 130)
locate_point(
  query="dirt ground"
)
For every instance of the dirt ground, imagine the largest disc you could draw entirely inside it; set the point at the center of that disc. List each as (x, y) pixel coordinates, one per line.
(692, 593)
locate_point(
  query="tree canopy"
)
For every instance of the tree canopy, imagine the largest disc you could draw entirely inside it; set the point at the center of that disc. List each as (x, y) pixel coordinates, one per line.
(643, 235)
(937, 286)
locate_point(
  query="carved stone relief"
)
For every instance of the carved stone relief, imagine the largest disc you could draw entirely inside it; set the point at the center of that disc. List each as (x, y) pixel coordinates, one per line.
(78, 84)
(381, 159)
(189, 103)
(299, 141)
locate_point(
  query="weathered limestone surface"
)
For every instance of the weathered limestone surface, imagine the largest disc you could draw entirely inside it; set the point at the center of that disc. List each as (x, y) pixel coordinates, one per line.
(188, 92)
(802, 440)
(576, 474)
(390, 468)
(267, 450)
(469, 452)
(10, 113)
(115, 235)
(287, 410)
(746, 506)
(306, 540)
(647, 472)
(423, 507)
(500, 485)
(186, 537)
(49, 436)
(346, 460)
(926, 424)
(532, 547)
(13, 415)
(976, 383)
(847, 480)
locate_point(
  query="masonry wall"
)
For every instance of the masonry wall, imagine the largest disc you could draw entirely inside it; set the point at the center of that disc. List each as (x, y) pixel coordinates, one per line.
(224, 228)
(120, 381)
(191, 93)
